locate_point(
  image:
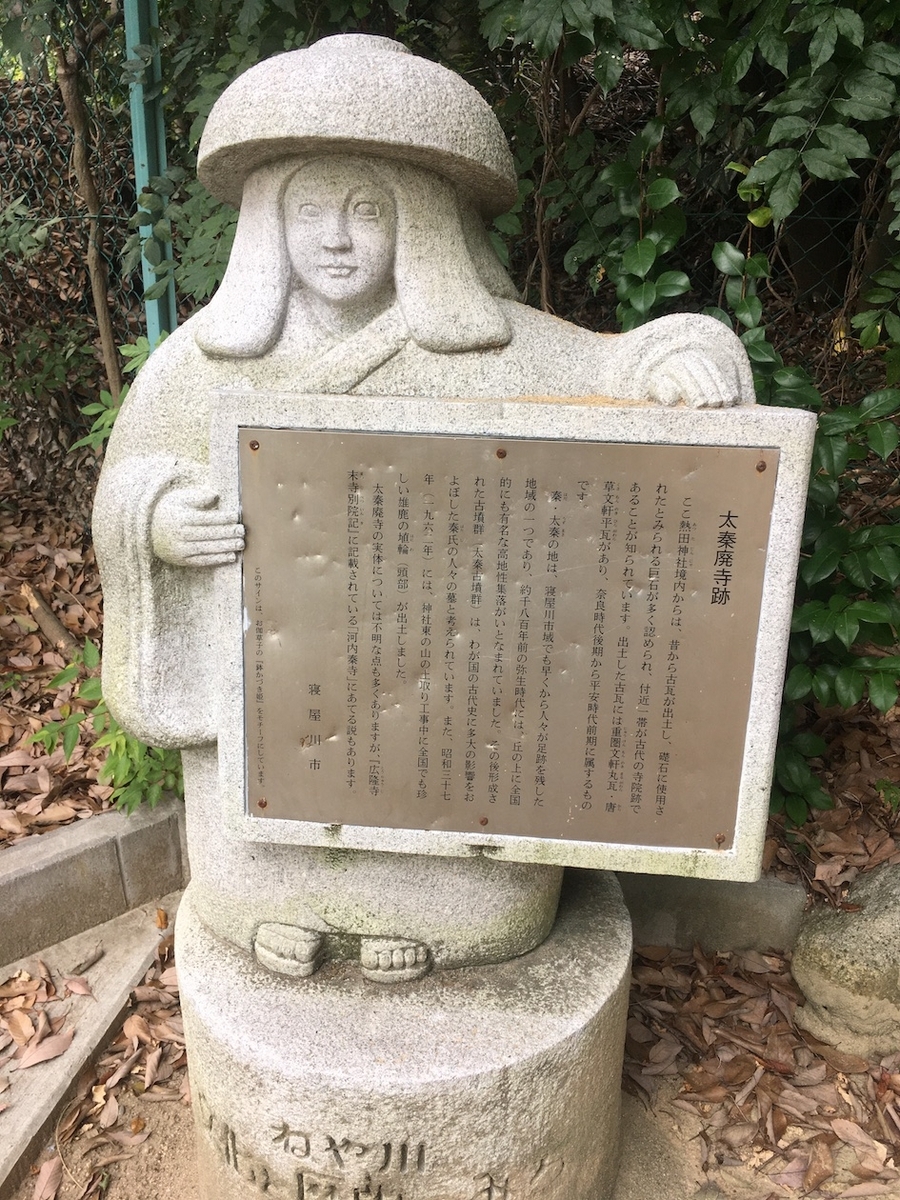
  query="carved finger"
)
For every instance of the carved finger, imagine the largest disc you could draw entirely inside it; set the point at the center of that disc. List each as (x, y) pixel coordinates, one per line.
(212, 546)
(210, 560)
(211, 533)
(198, 497)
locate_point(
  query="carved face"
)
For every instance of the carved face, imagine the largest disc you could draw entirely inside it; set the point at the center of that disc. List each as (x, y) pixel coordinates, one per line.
(340, 229)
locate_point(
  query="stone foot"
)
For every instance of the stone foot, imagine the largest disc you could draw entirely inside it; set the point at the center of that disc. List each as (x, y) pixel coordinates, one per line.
(289, 949)
(393, 960)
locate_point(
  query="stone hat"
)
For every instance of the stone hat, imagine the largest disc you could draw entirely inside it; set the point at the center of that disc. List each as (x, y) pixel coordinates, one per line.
(357, 94)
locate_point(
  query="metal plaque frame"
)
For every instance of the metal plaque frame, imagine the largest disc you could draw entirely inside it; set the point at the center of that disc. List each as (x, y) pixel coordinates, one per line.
(380, 432)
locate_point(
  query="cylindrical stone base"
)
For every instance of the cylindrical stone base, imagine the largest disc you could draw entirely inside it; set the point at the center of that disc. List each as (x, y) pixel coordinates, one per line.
(497, 1082)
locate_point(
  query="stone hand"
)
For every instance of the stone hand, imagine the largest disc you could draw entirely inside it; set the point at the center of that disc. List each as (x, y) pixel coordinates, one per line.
(688, 359)
(189, 529)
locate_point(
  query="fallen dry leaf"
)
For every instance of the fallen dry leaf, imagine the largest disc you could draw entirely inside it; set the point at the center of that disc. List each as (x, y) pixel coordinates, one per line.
(820, 1166)
(50, 1047)
(20, 1027)
(48, 1180)
(77, 985)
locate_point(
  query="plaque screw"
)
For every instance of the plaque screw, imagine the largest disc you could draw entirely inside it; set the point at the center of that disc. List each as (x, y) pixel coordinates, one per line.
(501, 453)
(255, 446)
(262, 802)
(761, 466)
(483, 821)
(720, 839)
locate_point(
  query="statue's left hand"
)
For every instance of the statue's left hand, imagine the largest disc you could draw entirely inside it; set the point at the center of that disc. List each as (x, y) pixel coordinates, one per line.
(189, 529)
(690, 359)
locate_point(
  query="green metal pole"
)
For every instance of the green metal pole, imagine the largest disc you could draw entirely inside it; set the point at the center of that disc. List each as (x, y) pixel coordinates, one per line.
(148, 137)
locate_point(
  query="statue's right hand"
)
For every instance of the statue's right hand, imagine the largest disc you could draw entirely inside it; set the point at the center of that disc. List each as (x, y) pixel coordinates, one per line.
(189, 529)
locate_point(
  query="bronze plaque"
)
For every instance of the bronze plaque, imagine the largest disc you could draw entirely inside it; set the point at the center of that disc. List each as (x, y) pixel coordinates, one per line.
(523, 637)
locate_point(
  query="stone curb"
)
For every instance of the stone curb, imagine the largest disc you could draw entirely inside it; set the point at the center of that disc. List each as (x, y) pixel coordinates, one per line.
(36, 1095)
(671, 910)
(71, 879)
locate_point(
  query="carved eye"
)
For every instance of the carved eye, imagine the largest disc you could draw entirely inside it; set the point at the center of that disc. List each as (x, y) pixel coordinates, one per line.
(368, 210)
(308, 212)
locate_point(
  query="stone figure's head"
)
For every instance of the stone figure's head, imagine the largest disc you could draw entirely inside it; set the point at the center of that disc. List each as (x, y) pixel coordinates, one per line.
(364, 175)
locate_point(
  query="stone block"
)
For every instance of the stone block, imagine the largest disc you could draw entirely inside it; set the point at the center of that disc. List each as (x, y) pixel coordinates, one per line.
(673, 911)
(150, 852)
(848, 966)
(56, 885)
(492, 1081)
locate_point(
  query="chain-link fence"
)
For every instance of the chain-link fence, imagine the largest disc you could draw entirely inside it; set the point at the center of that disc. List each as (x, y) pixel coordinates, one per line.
(67, 193)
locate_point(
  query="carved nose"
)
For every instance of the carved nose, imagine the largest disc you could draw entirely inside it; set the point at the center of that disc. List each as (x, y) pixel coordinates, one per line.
(336, 232)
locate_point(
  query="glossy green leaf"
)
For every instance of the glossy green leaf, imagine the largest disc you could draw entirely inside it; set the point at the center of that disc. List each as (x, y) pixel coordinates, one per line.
(785, 129)
(636, 27)
(850, 25)
(820, 565)
(540, 24)
(799, 683)
(749, 311)
(826, 164)
(884, 561)
(661, 193)
(831, 454)
(736, 61)
(823, 688)
(784, 195)
(643, 297)
(772, 165)
(870, 610)
(883, 403)
(70, 735)
(843, 140)
(90, 689)
(757, 266)
(774, 48)
(609, 63)
(856, 567)
(639, 258)
(822, 624)
(883, 438)
(849, 685)
(824, 39)
(892, 326)
(672, 283)
(882, 692)
(728, 259)
(846, 628)
(66, 675)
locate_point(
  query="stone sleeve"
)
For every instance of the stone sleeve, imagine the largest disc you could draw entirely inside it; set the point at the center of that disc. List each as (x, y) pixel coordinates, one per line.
(159, 665)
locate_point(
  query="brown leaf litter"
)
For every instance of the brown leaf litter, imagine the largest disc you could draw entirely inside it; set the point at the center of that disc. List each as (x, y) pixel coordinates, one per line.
(765, 1092)
(49, 563)
(146, 1059)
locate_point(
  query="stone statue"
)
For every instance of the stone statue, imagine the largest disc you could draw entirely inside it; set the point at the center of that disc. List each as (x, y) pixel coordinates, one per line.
(361, 265)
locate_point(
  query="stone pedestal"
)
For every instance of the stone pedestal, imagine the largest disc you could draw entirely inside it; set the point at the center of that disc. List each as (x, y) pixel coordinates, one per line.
(500, 1082)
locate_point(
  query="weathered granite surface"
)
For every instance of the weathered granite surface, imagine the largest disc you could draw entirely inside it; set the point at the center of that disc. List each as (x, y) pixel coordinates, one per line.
(362, 269)
(498, 1081)
(361, 266)
(848, 966)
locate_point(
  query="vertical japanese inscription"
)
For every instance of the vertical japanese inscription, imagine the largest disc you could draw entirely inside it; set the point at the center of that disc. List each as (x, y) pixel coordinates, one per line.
(514, 637)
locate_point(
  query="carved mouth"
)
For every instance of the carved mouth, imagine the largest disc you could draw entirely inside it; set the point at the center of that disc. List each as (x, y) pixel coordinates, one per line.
(337, 270)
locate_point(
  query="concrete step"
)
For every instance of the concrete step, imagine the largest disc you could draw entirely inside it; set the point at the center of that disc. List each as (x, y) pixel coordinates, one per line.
(56, 885)
(36, 1095)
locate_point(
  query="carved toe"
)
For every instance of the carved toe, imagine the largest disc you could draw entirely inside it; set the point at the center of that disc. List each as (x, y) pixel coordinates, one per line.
(289, 949)
(393, 960)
